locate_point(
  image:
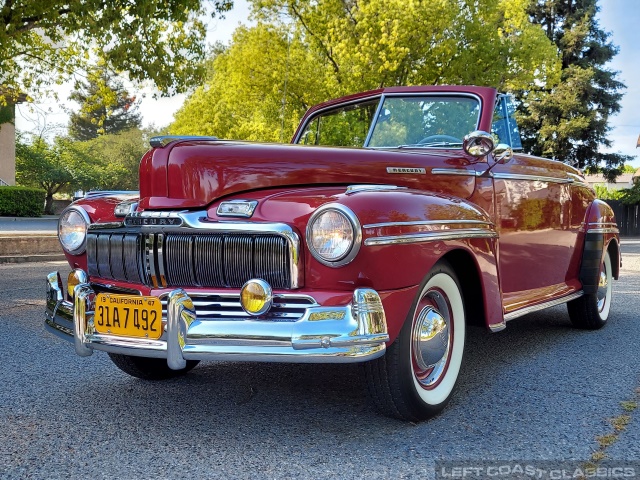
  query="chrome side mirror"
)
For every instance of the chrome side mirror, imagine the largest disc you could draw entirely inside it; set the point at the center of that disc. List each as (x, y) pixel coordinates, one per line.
(502, 153)
(478, 144)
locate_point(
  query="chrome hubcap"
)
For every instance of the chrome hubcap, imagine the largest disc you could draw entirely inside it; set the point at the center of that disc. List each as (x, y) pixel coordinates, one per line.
(431, 341)
(603, 287)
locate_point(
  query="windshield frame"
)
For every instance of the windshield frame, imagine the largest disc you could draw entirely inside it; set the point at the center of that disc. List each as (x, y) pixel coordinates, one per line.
(381, 99)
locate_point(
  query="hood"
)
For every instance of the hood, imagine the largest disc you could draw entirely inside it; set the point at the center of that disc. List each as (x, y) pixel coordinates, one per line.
(195, 173)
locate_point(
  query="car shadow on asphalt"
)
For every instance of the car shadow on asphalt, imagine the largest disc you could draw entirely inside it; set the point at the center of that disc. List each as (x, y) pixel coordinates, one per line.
(231, 396)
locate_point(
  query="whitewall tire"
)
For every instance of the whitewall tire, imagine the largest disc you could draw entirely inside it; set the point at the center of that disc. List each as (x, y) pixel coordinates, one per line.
(416, 377)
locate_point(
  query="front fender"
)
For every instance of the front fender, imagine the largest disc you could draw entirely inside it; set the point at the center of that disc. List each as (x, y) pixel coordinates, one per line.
(404, 234)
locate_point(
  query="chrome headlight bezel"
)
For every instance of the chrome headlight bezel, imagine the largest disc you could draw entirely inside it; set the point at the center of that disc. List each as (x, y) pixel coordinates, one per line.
(356, 237)
(76, 248)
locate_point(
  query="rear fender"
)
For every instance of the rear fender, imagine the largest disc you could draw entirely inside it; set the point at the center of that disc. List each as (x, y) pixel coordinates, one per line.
(601, 234)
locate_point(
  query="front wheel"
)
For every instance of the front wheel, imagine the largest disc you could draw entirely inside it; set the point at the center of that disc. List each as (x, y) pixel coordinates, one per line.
(591, 311)
(415, 379)
(148, 368)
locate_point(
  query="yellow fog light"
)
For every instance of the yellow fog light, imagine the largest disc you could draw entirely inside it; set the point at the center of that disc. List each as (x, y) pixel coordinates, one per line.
(256, 297)
(76, 277)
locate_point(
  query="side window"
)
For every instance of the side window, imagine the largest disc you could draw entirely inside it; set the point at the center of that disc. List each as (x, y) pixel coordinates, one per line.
(343, 127)
(504, 123)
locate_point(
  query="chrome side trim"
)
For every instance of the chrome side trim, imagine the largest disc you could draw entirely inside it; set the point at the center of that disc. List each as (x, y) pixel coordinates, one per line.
(455, 171)
(103, 226)
(579, 180)
(164, 140)
(532, 178)
(107, 193)
(432, 236)
(604, 224)
(352, 189)
(603, 230)
(426, 222)
(542, 306)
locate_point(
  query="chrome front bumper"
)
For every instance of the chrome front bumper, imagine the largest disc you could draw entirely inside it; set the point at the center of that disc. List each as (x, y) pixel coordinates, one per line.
(355, 332)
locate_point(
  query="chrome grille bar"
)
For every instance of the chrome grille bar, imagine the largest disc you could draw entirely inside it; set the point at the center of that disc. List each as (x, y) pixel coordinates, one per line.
(211, 306)
(178, 254)
(208, 260)
(132, 259)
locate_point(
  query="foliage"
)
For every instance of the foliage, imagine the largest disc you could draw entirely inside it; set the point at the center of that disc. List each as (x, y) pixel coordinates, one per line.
(569, 122)
(42, 165)
(108, 162)
(43, 43)
(604, 193)
(260, 86)
(7, 114)
(21, 201)
(105, 107)
(631, 196)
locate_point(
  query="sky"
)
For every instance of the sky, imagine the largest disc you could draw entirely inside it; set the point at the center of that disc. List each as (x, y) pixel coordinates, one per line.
(619, 17)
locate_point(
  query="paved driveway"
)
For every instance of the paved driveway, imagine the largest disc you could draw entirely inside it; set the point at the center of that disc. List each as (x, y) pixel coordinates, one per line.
(538, 390)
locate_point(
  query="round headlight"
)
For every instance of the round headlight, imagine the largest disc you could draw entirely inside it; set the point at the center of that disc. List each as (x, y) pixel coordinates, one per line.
(334, 235)
(72, 230)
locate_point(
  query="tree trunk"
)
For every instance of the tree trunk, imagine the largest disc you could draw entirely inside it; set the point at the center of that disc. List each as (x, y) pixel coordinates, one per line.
(48, 204)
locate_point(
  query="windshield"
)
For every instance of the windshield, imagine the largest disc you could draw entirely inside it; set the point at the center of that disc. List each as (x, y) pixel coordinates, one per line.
(425, 121)
(419, 121)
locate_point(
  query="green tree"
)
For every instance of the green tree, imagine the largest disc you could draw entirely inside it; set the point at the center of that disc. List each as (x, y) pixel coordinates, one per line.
(259, 87)
(108, 162)
(570, 122)
(39, 164)
(43, 43)
(105, 107)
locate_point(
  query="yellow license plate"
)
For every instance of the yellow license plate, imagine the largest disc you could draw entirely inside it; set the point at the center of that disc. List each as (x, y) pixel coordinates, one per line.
(128, 316)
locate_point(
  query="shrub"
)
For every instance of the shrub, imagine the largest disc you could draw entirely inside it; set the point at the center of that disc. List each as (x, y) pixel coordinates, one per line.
(21, 201)
(603, 193)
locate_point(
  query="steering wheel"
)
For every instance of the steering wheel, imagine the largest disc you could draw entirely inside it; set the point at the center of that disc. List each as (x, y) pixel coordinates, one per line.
(439, 138)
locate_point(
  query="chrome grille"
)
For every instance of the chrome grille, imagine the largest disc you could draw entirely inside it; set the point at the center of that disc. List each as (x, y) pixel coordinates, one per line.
(208, 306)
(116, 257)
(189, 260)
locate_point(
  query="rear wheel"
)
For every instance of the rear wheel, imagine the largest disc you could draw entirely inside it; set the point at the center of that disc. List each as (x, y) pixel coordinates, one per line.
(592, 310)
(148, 368)
(415, 379)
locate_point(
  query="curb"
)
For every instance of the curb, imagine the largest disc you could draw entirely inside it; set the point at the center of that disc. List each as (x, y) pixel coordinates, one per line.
(52, 257)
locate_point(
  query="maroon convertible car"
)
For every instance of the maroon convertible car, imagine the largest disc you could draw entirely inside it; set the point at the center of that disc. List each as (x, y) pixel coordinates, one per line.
(395, 219)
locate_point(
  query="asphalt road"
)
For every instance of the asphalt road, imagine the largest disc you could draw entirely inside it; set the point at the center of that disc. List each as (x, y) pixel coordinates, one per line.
(540, 390)
(16, 225)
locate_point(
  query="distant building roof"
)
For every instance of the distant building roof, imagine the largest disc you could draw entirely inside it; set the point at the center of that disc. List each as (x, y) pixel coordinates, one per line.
(625, 178)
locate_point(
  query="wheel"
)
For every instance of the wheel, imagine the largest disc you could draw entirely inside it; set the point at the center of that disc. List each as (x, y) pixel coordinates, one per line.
(439, 138)
(592, 310)
(414, 380)
(148, 368)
